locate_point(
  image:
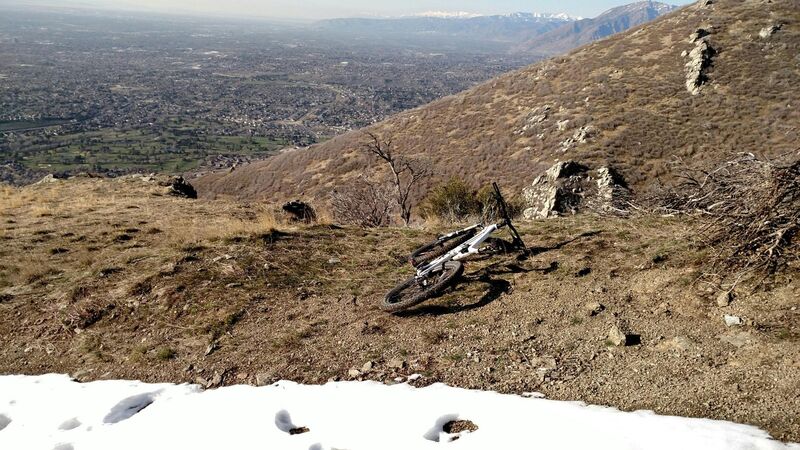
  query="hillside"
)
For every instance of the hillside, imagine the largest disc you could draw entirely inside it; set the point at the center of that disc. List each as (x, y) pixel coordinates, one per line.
(622, 100)
(573, 35)
(107, 279)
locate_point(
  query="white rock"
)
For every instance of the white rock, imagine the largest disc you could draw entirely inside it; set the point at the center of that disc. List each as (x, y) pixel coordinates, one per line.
(732, 320)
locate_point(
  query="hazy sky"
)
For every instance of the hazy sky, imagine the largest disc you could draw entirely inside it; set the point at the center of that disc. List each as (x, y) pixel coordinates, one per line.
(318, 9)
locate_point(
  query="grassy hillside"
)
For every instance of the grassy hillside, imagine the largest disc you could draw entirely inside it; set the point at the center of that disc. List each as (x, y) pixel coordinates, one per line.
(113, 279)
(629, 89)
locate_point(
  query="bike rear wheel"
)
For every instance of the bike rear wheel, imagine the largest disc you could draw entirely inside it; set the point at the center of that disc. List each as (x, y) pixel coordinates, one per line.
(414, 291)
(439, 247)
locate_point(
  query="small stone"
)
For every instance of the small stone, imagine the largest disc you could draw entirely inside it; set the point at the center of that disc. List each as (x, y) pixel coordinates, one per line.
(354, 373)
(216, 380)
(264, 378)
(616, 337)
(334, 261)
(201, 381)
(212, 347)
(738, 340)
(367, 366)
(189, 368)
(724, 299)
(233, 285)
(732, 321)
(532, 395)
(768, 31)
(396, 363)
(679, 343)
(594, 308)
(241, 376)
(544, 362)
(414, 377)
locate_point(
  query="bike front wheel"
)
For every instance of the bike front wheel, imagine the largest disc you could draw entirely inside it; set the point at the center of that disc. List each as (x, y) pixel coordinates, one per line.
(415, 290)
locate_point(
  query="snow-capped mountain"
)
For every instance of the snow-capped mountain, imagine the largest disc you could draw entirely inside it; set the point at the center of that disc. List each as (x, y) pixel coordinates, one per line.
(540, 33)
(515, 27)
(447, 14)
(576, 33)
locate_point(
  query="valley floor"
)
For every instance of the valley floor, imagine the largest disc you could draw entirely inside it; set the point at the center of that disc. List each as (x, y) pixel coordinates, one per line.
(112, 279)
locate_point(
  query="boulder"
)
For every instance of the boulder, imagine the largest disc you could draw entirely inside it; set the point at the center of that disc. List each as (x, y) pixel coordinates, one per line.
(569, 187)
(179, 187)
(300, 211)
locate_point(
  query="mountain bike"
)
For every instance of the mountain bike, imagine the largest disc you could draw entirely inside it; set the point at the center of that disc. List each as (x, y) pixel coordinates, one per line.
(439, 263)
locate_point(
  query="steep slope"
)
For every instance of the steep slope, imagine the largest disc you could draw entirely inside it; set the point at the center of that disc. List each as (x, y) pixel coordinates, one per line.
(575, 34)
(622, 101)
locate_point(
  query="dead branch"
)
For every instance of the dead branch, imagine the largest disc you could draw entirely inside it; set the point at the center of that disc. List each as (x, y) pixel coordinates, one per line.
(406, 173)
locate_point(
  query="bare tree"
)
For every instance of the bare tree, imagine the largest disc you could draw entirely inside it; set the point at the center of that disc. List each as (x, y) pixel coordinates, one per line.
(405, 172)
(363, 203)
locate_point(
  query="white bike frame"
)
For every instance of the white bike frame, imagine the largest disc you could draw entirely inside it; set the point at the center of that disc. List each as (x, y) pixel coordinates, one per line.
(468, 248)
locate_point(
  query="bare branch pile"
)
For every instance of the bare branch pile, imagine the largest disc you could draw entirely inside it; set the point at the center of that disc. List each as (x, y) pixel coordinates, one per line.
(751, 208)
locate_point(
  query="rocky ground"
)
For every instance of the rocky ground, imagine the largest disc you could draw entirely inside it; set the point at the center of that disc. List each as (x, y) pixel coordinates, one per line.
(117, 279)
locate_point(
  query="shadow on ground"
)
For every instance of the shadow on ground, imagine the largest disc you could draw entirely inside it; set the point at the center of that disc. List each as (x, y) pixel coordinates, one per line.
(494, 287)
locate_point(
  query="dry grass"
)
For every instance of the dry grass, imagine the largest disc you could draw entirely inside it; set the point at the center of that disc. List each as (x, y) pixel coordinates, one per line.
(301, 303)
(214, 228)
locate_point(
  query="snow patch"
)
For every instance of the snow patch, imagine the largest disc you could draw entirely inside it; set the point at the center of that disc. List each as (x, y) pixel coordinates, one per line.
(448, 14)
(129, 415)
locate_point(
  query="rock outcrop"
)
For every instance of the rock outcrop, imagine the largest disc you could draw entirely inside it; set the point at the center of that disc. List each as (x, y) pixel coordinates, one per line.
(769, 31)
(569, 187)
(581, 136)
(700, 59)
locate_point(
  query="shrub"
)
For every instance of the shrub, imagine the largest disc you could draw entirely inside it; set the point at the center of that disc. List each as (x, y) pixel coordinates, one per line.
(452, 201)
(490, 208)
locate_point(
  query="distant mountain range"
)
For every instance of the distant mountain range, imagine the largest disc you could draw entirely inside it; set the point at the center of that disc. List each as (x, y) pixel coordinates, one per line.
(580, 32)
(541, 34)
(511, 28)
